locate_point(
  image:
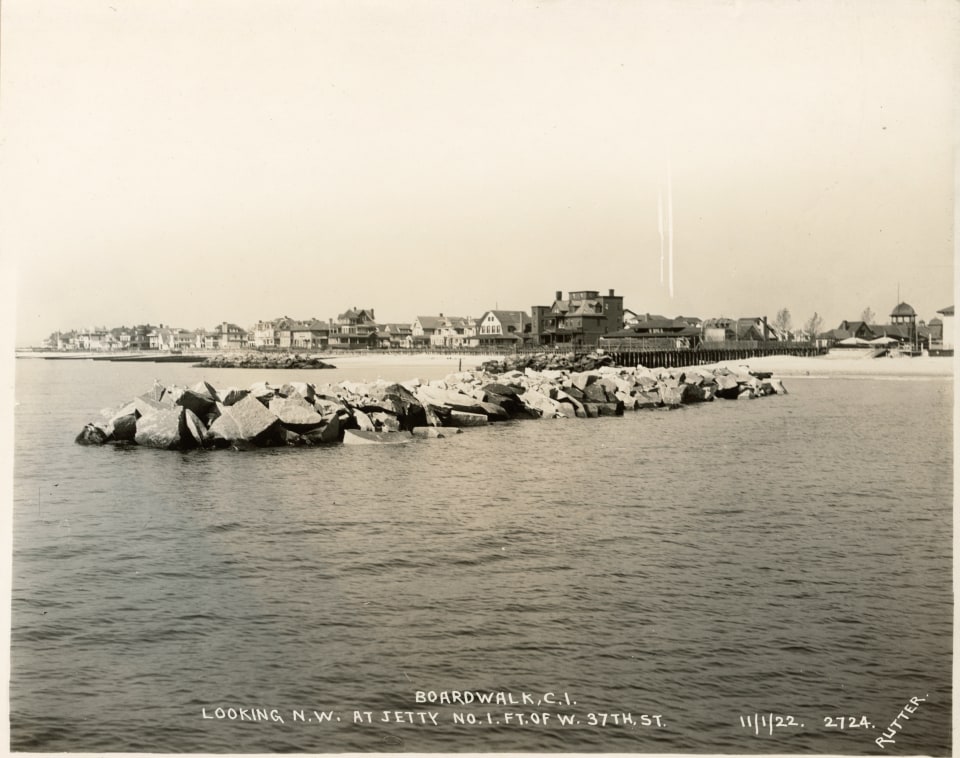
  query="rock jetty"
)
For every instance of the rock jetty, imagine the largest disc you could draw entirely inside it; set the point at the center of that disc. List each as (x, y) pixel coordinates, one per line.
(263, 361)
(575, 362)
(303, 413)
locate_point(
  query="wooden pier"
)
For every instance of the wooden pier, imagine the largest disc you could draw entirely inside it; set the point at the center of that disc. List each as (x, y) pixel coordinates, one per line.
(651, 355)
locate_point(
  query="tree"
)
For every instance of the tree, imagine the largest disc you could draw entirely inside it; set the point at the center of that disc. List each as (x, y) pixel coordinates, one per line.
(868, 316)
(783, 321)
(813, 326)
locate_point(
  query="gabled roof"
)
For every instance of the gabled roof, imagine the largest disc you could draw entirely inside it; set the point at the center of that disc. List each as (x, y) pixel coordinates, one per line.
(948, 311)
(313, 325)
(838, 334)
(395, 328)
(855, 325)
(430, 322)
(517, 319)
(355, 313)
(218, 329)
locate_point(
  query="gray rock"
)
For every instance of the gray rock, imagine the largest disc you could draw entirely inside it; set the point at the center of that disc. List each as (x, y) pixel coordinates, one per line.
(196, 428)
(461, 419)
(148, 404)
(295, 413)
(595, 393)
(327, 433)
(163, 429)
(385, 422)
(92, 434)
(245, 421)
(200, 404)
(232, 395)
(670, 395)
(124, 428)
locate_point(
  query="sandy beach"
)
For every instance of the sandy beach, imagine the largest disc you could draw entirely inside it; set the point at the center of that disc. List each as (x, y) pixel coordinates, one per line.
(833, 366)
(780, 365)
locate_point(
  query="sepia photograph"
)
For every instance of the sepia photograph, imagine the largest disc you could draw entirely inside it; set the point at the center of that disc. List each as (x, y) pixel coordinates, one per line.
(531, 376)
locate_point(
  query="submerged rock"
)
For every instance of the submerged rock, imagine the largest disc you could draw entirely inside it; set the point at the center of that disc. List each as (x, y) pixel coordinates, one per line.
(92, 434)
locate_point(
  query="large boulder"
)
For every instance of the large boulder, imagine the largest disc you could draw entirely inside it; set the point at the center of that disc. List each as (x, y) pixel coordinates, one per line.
(324, 434)
(245, 421)
(595, 393)
(232, 395)
(504, 390)
(295, 413)
(163, 429)
(670, 395)
(647, 399)
(299, 389)
(727, 386)
(461, 419)
(92, 434)
(124, 428)
(199, 403)
(207, 389)
(148, 404)
(385, 422)
(541, 403)
(196, 428)
(695, 393)
(359, 437)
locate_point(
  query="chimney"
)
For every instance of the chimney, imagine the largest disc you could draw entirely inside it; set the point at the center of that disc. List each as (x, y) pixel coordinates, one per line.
(611, 292)
(559, 295)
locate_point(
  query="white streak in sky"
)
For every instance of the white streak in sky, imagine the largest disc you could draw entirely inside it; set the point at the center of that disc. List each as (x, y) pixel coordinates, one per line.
(670, 224)
(660, 229)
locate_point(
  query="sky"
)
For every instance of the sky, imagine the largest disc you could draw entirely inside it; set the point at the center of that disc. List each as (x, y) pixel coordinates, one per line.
(190, 163)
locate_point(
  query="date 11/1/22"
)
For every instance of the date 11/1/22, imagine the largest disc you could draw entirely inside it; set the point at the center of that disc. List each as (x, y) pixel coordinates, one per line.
(768, 723)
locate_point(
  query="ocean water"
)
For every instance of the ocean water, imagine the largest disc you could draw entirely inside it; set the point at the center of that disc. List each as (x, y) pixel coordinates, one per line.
(752, 577)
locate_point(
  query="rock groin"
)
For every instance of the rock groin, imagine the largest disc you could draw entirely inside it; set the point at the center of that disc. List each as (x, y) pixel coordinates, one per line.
(575, 362)
(264, 361)
(303, 413)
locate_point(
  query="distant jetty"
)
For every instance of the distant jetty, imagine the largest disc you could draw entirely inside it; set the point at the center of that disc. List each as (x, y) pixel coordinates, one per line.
(263, 361)
(302, 413)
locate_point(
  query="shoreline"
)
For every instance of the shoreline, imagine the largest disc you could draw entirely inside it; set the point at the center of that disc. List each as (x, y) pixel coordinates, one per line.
(781, 365)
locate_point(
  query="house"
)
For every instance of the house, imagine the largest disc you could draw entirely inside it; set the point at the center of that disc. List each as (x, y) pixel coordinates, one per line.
(454, 331)
(229, 336)
(503, 330)
(670, 333)
(860, 329)
(355, 328)
(275, 334)
(580, 320)
(393, 336)
(755, 329)
(141, 339)
(311, 334)
(202, 340)
(423, 329)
